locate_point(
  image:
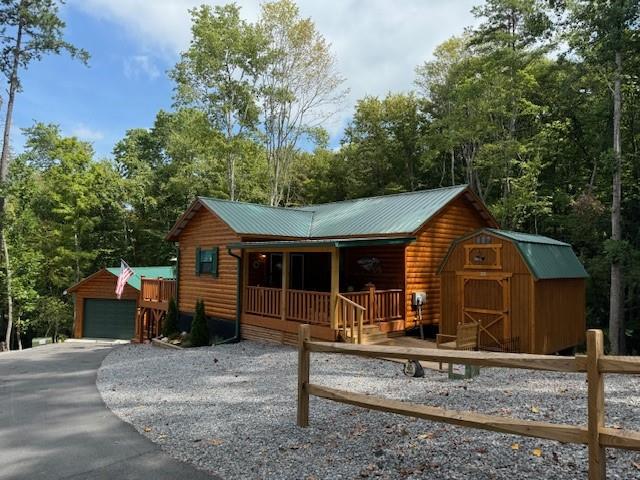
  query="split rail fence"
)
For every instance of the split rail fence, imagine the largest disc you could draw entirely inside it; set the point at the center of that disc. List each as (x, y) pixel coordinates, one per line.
(595, 364)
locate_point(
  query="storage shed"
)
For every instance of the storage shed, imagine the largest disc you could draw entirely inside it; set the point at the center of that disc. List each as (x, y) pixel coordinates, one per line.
(97, 311)
(526, 292)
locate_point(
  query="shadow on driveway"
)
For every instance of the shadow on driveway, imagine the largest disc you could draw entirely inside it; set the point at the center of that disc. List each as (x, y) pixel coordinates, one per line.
(54, 425)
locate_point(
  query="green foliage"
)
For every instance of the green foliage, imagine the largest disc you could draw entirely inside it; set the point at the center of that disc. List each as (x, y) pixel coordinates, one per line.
(54, 318)
(519, 107)
(170, 325)
(199, 329)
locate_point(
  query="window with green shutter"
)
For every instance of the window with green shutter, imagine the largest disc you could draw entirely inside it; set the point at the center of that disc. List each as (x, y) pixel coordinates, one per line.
(207, 261)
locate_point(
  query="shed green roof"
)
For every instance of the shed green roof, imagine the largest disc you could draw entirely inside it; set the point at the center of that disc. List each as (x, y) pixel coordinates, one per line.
(397, 214)
(546, 257)
(149, 272)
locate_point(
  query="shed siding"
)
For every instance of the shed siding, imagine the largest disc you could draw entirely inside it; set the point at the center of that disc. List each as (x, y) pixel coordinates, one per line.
(206, 230)
(424, 256)
(102, 285)
(559, 323)
(520, 289)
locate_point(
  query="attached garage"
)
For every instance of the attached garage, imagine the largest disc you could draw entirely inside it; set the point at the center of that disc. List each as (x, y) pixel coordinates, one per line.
(99, 314)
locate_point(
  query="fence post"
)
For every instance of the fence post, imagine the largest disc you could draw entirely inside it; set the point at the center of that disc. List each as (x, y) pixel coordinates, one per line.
(303, 376)
(595, 405)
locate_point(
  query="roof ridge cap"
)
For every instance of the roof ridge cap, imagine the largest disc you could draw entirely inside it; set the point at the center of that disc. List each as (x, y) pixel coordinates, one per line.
(451, 187)
(558, 243)
(225, 200)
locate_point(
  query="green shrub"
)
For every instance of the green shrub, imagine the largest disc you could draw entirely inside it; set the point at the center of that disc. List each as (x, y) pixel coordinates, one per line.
(199, 329)
(170, 326)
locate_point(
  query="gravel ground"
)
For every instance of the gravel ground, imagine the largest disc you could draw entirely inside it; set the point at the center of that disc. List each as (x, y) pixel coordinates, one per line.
(231, 410)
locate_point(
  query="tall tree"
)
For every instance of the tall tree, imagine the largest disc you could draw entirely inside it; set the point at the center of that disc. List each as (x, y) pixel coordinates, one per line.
(218, 75)
(300, 88)
(604, 32)
(29, 30)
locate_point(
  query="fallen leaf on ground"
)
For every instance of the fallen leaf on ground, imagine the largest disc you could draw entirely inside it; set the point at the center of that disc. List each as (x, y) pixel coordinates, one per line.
(535, 409)
(147, 429)
(537, 452)
(636, 464)
(215, 442)
(425, 436)
(515, 446)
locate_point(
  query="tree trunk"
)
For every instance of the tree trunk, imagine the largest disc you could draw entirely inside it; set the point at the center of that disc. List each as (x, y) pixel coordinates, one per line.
(13, 88)
(453, 168)
(616, 311)
(7, 264)
(4, 170)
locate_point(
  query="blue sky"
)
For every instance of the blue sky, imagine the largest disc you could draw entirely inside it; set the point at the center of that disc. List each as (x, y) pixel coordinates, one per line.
(377, 44)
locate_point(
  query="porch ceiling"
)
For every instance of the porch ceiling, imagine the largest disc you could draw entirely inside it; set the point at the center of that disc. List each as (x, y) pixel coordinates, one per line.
(325, 243)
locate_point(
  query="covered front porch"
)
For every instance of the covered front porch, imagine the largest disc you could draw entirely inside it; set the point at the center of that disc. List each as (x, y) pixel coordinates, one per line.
(351, 290)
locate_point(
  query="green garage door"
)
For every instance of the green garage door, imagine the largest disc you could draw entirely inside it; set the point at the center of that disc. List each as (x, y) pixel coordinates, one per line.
(109, 318)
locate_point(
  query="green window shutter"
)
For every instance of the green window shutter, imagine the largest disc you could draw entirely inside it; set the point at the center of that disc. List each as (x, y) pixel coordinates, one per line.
(214, 262)
(197, 260)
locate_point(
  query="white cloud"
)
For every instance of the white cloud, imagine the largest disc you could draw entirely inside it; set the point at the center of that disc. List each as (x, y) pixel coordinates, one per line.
(86, 133)
(137, 66)
(377, 43)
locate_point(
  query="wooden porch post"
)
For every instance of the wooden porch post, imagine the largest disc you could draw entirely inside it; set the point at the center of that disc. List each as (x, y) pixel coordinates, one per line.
(372, 302)
(335, 286)
(285, 286)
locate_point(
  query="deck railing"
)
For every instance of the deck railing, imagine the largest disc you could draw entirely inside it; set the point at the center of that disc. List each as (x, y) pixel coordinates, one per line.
(263, 301)
(381, 305)
(315, 307)
(595, 434)
(310, 307)
(158, 290)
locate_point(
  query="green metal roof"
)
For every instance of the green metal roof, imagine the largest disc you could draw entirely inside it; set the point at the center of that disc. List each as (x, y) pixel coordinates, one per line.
(546, 257)
(148, 272)
(334, 242)
(254, 219)
(526, 237)
(401, 213)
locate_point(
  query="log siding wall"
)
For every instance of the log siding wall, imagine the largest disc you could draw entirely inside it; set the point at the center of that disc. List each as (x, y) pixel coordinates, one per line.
(424, 256)
(206, 230)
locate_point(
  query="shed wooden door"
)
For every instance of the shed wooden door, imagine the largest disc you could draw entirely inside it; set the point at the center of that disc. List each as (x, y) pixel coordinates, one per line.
(485, 298)
(109, 318)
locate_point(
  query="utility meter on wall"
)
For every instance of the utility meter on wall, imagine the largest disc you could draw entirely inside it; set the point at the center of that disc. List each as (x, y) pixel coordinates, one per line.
(418, 298)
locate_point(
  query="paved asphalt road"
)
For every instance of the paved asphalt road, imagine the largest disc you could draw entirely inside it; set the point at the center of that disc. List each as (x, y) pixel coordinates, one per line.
(54, 425)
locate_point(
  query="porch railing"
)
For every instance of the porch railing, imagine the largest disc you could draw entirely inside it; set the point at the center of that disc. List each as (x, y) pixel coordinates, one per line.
(315, 307)
(263, 301)
(381, 305)
(311, 307)
(158, 290)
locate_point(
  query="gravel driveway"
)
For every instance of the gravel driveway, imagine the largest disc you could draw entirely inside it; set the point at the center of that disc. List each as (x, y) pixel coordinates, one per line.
(231, 410)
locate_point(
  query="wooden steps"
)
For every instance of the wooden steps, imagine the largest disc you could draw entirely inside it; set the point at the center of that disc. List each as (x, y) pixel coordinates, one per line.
(371, 335)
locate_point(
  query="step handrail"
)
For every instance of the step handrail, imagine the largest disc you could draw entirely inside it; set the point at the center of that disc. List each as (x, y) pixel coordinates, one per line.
(357, 318)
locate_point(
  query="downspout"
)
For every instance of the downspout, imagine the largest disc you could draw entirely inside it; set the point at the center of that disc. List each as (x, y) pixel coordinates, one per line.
(236, 337)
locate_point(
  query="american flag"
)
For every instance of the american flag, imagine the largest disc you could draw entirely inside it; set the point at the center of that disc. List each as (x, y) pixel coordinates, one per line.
(125, 274)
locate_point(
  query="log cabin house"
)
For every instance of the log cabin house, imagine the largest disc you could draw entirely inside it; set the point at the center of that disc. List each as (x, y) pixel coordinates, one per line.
(354, 270)
(526, 292)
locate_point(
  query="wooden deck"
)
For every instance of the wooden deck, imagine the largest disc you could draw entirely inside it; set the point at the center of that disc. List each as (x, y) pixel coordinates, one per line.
(355, 312)
(155, 294)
